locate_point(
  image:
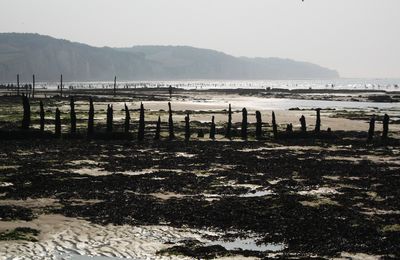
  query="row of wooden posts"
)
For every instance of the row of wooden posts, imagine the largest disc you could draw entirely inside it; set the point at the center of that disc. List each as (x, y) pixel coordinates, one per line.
(31, 92)
(26, 121)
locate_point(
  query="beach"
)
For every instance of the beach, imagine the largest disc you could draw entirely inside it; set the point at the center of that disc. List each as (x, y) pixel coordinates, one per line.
(301, 195)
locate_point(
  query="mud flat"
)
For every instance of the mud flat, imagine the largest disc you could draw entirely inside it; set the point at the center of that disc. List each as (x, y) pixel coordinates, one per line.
(320, 198)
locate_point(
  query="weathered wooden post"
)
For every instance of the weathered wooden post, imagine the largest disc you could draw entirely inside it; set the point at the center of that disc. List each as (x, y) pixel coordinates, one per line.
(318, 121)
(244, 124)
(170, 123)
(33, 86)
(141, 123)
(258, 125)
(127, 119)
(26, 120)
(90, 130)
(229, 126)
(212, 128)
(41, 114)
(72, 116)
(274, 126)
(170, 91)
(61, 85)
(158, 129)
(385, 126)
(187, 127)
(371, 129)
(58, 123)
(17, 84)
(109, 118)
(303, 123)
(115, 85)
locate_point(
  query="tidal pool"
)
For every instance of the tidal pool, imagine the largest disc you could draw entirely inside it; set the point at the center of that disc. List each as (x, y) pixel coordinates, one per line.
(248, 244)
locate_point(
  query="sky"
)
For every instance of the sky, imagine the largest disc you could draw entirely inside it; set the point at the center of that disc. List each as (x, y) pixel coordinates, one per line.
(359, 38)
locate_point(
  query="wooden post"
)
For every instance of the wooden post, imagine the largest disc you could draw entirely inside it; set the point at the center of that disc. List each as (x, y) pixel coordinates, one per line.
(33, 86)
(58, 123)
(385, 126)
(141, 123)
(303, 123)
(26, 120)
(274, 125)
(212, 128)
(158, 129)
(187, 127)
(371, 129)
(41, 114)
(61, 86)
(170, 123)
(229, 127)
(244, 123)
(109, 118)
(127, 119)
(115, 85)
(17, 84)
(90, 129)
(318, 121)
(73, 116)
(259, 125)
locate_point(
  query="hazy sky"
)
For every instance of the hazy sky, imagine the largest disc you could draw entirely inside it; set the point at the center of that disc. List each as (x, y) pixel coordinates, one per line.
(359, 38)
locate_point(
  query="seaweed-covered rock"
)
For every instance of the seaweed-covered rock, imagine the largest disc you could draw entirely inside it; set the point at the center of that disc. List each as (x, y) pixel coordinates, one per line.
(8, 213)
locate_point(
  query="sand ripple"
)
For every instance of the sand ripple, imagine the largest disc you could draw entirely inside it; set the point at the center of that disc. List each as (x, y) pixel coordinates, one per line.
(64, 238)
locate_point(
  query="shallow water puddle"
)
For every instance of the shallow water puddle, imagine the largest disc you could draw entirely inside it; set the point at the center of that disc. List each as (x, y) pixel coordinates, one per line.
(259, 193)
(247, 244)
(92, 171)
(319, 191)
(6, 184)
(185, 155)
(134, 173)
(79, 162)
